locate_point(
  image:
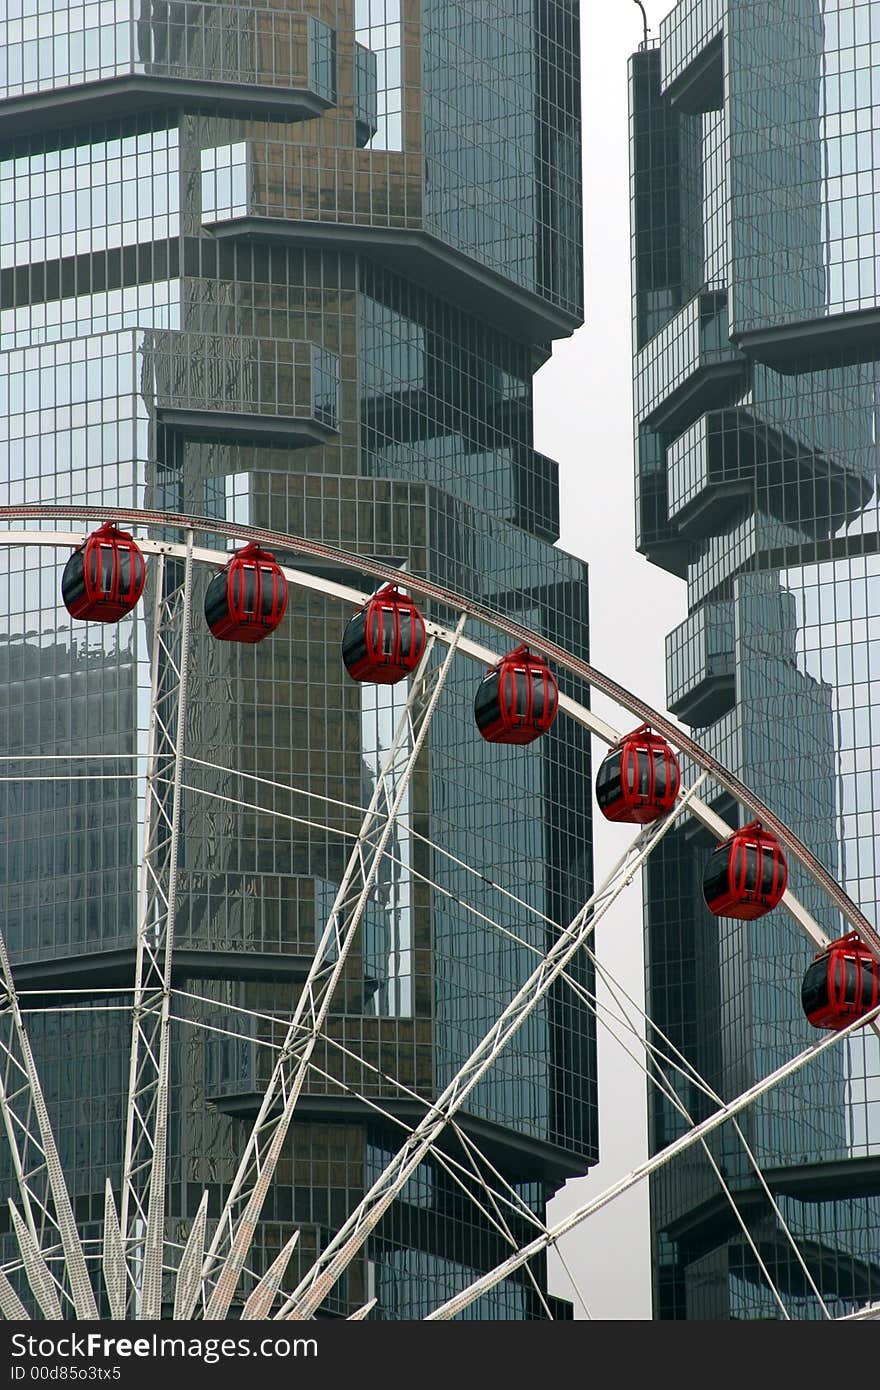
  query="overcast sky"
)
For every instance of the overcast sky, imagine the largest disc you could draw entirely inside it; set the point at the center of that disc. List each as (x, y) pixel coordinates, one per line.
(583, 418)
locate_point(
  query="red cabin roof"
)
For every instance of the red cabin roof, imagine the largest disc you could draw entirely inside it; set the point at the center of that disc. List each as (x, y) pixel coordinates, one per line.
(246, 601)
(104, 578)
(518, 700)
(746, 875)
(639, 778)
(385, 641)
(842, 984)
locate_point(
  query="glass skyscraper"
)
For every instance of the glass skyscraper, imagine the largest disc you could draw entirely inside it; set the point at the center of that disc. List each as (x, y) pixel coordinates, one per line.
(755, 159)
(294, 265)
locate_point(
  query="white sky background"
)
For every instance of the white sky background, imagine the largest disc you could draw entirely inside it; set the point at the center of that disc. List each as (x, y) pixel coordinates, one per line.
(583, 418)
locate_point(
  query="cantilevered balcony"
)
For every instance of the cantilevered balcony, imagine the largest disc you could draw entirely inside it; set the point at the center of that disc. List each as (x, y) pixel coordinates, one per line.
(700, 683)
(275, 63)
(212, 385)
(689, 366)
(372, 202)
(707, 465)
(735, 453)
(691, 57)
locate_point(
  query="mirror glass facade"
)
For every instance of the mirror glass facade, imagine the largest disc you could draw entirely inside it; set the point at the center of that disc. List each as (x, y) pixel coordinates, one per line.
(754, 167)
(193, 316)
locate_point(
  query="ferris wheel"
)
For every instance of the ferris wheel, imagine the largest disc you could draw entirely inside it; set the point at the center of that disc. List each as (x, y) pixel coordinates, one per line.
(405, 634)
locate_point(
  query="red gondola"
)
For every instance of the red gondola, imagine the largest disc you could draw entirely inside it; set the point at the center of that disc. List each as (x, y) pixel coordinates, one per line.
(518, 700)
(746, 875)
(639, 779)
(385, 641)
(842, 984)
(104, 578)
(246, 600)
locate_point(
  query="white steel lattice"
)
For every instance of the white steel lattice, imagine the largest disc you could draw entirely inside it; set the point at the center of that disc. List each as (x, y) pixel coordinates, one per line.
(146, 1125)
(238, 1221)
(47, 1213)
(135, 1255)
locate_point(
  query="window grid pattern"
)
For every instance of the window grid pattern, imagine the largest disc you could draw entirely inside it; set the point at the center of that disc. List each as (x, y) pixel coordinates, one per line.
(61, 45)
(770, 483)
(82, 198)
(427, 461)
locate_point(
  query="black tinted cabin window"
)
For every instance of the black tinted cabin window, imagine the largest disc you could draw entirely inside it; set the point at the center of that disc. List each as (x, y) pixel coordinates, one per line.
(768, 869)
(661, 772)
(644, 769)
(608, 784)
(125, 571)
(406, 633)
(814, 990)
(715, 879)
(850, 981)
(216, 606)
(267, 594)
(520, 694)
(248, 592)
(73, 582)
(538, 703)
(354, 642)
(106, 553)
(387, 621)
(486, 701)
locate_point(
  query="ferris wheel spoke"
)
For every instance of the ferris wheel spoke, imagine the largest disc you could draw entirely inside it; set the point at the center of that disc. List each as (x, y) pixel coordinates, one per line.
(260, 1301)
(363, 1312)
(456, 1169)
(42, 1284)
(188, 1283)
(146, 1137)
(238, 1220)
(651, 1165)
(474, 1156)
(11, 1305)
(45, 1200)
(316, 1284)
(135, 1250)
(459, 1172)
(655, 1069)
(113, 1262)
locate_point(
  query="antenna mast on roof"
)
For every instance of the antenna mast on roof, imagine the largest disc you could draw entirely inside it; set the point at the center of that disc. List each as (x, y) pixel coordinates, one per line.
(644, 21)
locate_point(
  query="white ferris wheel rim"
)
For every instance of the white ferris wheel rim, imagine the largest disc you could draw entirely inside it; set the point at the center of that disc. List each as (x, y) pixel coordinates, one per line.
(309, 1293)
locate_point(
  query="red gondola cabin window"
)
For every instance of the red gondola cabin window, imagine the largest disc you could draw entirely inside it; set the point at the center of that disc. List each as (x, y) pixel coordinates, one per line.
(385, 641)
(746, 876)
(841, 985)
(104, 578)
(246, 601)
(639, 779)
(518, 700)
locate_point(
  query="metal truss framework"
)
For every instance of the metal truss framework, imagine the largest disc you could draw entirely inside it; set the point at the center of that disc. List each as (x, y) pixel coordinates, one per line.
(237, 1224)
(146, 1120)
(135, 1251)
(46, 1210)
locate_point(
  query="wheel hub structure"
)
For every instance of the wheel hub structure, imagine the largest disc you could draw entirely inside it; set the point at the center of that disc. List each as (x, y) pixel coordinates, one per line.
(150, 1252)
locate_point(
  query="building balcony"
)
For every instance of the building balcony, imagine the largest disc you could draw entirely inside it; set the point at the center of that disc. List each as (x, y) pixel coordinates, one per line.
(689, 366)
(656, 536)
(712, 462)
(264, 389)
(270, 62)
(726, 454)
(700, 670)
(691, 57)
(371, 202)
(237, 1071)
